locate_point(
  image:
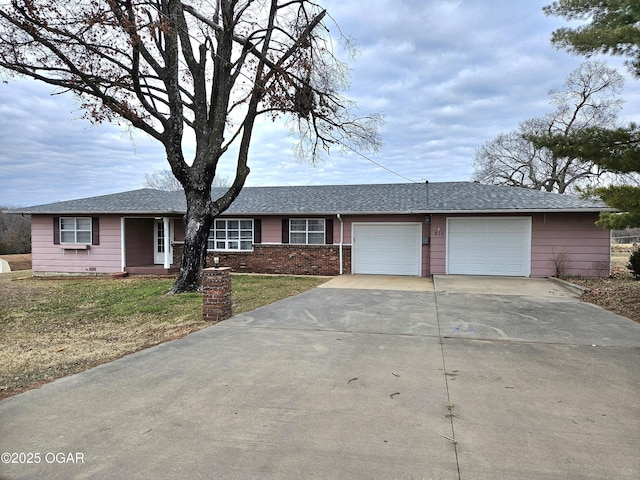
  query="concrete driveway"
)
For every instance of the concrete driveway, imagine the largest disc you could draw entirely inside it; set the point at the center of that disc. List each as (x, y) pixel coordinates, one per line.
(455, 383)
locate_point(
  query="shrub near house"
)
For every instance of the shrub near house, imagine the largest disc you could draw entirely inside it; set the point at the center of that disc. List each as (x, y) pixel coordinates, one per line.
(634, 263)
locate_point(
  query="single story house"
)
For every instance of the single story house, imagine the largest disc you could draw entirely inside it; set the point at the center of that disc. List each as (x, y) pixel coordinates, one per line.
(418, 229)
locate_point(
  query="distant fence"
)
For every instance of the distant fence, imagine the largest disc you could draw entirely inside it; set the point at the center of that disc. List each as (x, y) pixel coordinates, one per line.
(626, 239)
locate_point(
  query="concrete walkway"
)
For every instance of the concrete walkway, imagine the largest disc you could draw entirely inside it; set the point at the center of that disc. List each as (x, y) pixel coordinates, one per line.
(353, 383)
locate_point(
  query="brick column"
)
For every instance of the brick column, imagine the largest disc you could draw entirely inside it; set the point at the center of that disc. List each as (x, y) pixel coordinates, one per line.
(216, 294)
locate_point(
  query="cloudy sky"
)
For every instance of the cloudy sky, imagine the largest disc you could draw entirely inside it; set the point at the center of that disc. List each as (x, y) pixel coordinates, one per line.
(448, 75)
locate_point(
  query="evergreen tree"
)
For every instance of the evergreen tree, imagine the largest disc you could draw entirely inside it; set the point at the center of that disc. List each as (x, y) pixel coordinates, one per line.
(616, 150)
(611, 27)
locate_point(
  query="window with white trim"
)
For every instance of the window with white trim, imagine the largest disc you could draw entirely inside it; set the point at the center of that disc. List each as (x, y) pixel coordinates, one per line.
(75, 230)
(231, 234)
(307, 231)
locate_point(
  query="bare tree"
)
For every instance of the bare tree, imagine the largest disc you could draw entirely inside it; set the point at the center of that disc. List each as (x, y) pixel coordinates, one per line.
(589, 98)
(15, 233)
(162, 180)
(211, 67)
(166, 180)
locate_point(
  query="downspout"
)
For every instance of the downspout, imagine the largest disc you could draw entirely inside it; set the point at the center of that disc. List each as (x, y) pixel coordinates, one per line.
(341, 239)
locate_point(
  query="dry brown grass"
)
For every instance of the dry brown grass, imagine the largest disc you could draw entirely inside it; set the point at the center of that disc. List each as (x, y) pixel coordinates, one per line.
(50, 328)
(18, 262)
(620, 293)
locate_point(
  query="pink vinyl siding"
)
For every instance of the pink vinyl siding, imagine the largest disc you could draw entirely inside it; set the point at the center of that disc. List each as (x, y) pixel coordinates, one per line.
(438, 245)
(50, 258)
(271, 230)
(569, 245)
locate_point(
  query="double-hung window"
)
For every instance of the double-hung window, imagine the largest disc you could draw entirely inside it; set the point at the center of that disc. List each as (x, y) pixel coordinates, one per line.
(307, 231)
(75, 230)
(231, 234)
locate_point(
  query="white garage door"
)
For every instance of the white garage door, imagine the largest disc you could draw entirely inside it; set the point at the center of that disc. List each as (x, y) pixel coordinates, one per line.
(489, 246)
(386, 248)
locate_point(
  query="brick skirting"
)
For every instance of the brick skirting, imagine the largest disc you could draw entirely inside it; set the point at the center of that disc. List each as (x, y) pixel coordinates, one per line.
(287, 259)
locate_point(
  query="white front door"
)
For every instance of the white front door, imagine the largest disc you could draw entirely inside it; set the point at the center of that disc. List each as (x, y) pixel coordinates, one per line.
(159, 241)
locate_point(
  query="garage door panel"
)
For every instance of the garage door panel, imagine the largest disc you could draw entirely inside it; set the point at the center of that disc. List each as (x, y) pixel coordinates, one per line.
(386, 249)
(489, 246)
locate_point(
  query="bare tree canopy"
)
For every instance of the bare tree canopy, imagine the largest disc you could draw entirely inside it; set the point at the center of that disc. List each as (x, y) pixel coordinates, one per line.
(15, 233)
(162, 180)
(165, 180)
(204, 70)
(589, 98)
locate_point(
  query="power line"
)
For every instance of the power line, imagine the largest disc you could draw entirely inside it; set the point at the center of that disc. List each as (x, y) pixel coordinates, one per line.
(375, 163)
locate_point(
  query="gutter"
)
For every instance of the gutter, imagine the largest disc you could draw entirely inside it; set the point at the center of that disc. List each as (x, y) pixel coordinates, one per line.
(525, 211)
(591, 209)
(422, 212)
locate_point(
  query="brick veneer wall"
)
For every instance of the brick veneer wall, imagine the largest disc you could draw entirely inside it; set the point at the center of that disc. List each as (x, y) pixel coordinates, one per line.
(287, 259)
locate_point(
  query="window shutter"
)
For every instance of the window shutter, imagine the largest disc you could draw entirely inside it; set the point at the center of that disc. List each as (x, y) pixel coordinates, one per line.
(257, 230)
(56, 230)
(95, 231)
(285, 230)
(328, 230)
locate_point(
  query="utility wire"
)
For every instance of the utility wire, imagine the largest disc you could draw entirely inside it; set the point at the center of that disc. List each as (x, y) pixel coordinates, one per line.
(374, 162)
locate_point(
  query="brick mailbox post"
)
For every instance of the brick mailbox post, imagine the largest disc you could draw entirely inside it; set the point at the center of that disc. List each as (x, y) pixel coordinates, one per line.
(216, 294)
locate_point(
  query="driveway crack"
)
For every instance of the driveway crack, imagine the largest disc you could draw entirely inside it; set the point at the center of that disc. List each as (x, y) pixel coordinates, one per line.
(446, 373)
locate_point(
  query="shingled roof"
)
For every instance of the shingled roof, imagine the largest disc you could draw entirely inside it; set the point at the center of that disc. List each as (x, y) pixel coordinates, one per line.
(398, 198)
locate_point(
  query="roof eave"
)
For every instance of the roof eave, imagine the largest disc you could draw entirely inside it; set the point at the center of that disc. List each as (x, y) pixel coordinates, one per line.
(424, 212)
(527, 210)
(321, 213)
(89, 213)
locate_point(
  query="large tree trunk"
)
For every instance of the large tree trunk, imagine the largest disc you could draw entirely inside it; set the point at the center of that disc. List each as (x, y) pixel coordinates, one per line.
(197, 223)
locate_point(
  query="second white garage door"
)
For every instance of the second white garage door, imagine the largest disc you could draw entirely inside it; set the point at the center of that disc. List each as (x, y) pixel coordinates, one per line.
(386, 248)
(489, 246)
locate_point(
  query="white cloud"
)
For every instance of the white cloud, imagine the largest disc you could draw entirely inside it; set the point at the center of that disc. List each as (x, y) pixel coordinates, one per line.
(447, 75)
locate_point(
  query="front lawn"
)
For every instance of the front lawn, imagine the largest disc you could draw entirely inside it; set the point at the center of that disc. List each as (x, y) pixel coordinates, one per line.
(51, 328)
